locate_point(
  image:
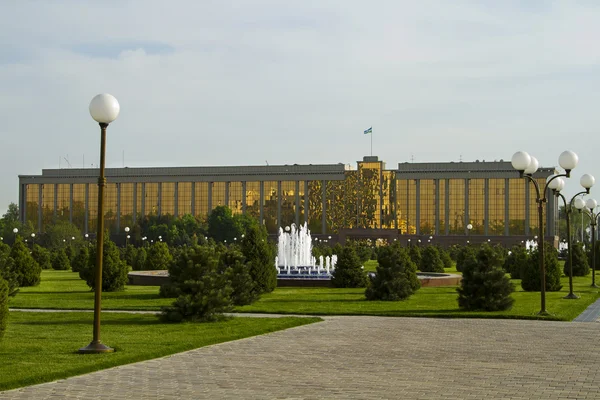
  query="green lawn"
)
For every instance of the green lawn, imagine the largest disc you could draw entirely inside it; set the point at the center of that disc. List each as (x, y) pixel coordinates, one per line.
(64, 290)
(41, 347)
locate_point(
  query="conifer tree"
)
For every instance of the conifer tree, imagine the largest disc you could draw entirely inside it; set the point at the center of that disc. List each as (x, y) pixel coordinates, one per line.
(431, 260)
(580, 261)
(260, 257)
(28, 271)
(114, 270)
(396, 276)
(530, 274)
(81, 260)
(348, 271)
(42, 256)
(60, 261)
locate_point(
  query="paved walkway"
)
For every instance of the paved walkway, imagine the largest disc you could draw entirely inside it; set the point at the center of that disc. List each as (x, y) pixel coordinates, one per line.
(364, 358)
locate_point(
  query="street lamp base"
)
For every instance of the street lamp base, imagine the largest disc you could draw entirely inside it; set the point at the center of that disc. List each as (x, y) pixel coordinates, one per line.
(95, 348)
(543, 313)
(595, 286)
(571, 296)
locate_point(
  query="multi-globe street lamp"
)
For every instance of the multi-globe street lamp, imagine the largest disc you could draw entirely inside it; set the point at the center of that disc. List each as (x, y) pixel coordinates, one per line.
(126, 237)
(32, 240)
(586, 181)
(15, 231)
(591, 205)
(527, 166)
(104, 108)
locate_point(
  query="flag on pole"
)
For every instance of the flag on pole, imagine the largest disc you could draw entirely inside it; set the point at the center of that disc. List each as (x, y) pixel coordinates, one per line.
(370, 130)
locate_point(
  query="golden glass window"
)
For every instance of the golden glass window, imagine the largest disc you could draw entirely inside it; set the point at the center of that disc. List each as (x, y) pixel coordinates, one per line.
(32, 194)
(442, 206)
(270, 206)
(477, 206)
(496, 207)
(79, 206)
(63, 202)
(427, 206)
(167, 194)
(388, 191)
(126, 203)
(92, 207)
(456, 213)
(253, 199)
(110, 207)
(218, 194)
(369, 200)
(151, 199)
(516, 204)
(288, 203)
(184, 198)
(315, 206)
(201, 199)
(235, 197)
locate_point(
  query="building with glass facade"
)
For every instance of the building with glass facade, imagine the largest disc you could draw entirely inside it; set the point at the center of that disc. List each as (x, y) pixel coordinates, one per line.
(415, 199)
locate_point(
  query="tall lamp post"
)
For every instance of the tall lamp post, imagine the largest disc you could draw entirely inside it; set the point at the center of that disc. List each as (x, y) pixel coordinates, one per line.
(15, 231)
(32, 240)
(469, 227)
(104, 108)
(527, 166)
(591, 205)
(126, 237)
(586, 181)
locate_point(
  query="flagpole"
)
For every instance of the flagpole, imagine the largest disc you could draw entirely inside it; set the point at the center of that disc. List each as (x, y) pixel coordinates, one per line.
(372, 143)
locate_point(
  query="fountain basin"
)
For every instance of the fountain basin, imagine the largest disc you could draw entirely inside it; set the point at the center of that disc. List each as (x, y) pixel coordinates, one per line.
(428, 279)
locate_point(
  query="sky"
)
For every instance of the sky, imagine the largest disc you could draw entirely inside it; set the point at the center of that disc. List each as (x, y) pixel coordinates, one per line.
(207, 83)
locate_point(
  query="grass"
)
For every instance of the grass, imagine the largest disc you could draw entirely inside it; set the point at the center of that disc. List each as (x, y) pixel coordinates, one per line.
(41, 347)
(64, 290)
(427, 302)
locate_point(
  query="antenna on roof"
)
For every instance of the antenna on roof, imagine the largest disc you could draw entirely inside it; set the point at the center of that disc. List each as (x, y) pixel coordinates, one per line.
(267, 162)
(67, 160)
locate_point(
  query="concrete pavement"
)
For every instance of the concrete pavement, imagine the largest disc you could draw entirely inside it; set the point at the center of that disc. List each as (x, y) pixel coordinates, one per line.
(364, 358)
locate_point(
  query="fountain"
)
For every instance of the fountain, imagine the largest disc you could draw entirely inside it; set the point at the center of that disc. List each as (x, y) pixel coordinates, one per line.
(294, 259)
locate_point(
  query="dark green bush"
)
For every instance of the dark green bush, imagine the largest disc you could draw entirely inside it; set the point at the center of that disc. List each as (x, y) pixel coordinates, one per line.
(3, 306)
(431, 260)
(260, 256)
(414, 253)
(201, 286)
(81, 260)
(530, 274)
(8, 273)
(244, 291)
(454, 250)
(129, 254)
(158, 257)
(41, 256)
(140, 259)
(60, 261)
(580, 261)
(464, 253)
(348, 271)
(27, 270)
(446, 259)
(396, 276)
(516, 261)
(114, 270)
(484, 285)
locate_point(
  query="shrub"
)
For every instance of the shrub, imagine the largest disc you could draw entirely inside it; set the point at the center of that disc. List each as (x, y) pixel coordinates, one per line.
(70, 252)
(516, 261)
(396, 276)
(140, 259)
(454, 250)
(202, 289)
(158, 257)
(28, 271)
(464, 253)
(446, 259)
(431, 260)
(8, 273)
(260, 256)
(580, 261)
(129, 255)
(3, 306)
(238, 273)
(60, 261)
(348, 271)
(114, 270)
(81, 260)
(484, 285)
(41, 256)
(414, 253)
(530, 274)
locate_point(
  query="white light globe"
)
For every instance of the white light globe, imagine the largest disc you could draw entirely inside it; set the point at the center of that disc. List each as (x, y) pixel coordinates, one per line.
(568, 160)
(554, 183)
(591, 204)
(587, 181)
(520, 160)
(561, 184)
(532, 167)
(126, 229)
(15, 230)
(579, 203)
(104, 108)
(469, 226)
